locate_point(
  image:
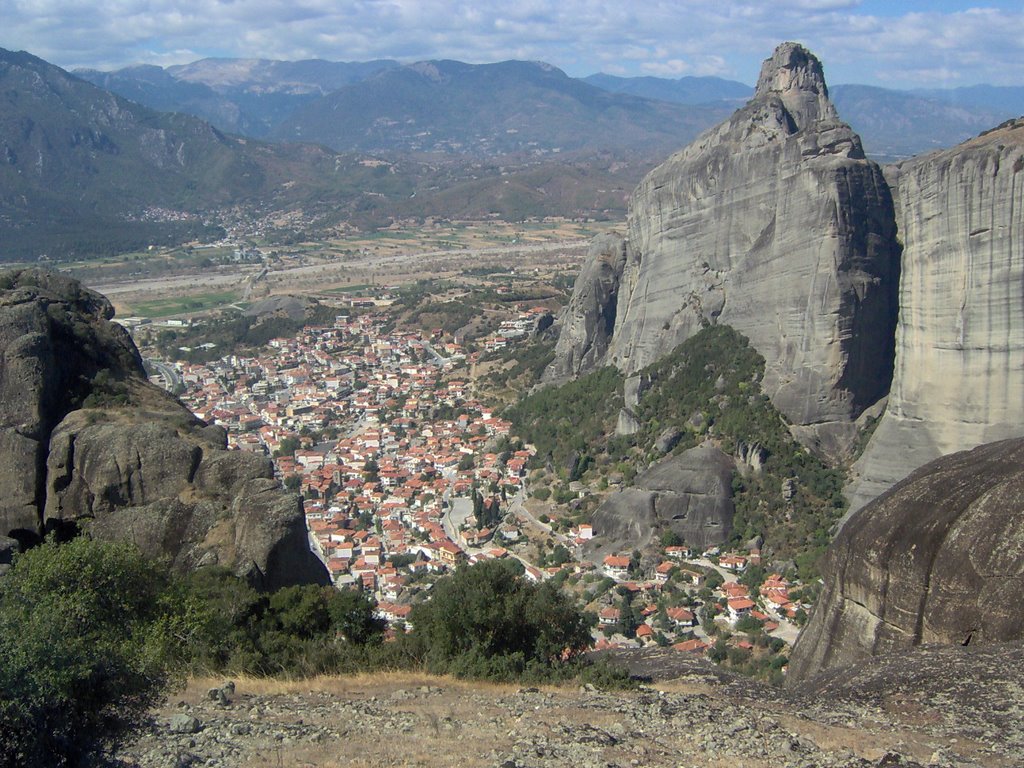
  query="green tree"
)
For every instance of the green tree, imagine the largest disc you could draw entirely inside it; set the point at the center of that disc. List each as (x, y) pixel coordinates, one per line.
(84, 648)
(486, 620)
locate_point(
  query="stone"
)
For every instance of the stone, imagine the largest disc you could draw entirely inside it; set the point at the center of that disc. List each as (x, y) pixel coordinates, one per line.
(689, 493)
(86, 440)
(668, 439)
(775, 223)
(588, 320)
(938, 559)
(183, 722)
(959, 371)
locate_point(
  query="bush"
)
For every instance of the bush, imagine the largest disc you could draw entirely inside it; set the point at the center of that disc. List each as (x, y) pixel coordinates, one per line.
(486, 620)
(84, 648)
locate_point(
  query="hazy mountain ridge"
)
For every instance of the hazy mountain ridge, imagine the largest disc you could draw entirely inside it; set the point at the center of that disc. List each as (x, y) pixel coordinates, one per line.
(684, 90)
(296, 100)
(504, 108)
(248, 96)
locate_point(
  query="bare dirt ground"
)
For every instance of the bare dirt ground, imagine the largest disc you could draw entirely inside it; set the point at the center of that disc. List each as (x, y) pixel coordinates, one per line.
(703, 717)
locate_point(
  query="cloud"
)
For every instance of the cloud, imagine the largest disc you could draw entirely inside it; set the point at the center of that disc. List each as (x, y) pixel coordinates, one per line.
(869, 41)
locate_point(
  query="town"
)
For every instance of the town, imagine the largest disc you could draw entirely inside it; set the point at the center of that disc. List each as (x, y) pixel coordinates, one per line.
(405, 475)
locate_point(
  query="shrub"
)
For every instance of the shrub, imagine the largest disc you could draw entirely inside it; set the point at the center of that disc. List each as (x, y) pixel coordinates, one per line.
(486, 620)
(83, 651)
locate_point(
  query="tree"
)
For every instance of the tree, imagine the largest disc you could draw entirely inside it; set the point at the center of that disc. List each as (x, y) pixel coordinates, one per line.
(84, 647)
(486, 620)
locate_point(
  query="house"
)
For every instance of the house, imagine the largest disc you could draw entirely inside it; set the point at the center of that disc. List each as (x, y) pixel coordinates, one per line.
(696, 578)
(616, 566)
(692, 646)
(682, 617)
(662, 572)
(645, 634)
(739, 607)
(586, 531)
(608, 616)
(736, 563)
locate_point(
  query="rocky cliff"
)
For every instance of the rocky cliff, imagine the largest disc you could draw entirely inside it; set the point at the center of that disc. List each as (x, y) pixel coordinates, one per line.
(937, 559)
(588, 321)
(959, 372)
(86, 441)
(775, 223)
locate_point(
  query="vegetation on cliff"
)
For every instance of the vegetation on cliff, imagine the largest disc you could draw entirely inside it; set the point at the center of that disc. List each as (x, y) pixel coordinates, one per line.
(708, 388)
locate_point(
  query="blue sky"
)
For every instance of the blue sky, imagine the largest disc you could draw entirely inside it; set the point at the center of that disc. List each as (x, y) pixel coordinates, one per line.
(917, 43)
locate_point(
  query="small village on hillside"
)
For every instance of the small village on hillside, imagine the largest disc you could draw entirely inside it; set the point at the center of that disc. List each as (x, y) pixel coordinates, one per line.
(405, 475)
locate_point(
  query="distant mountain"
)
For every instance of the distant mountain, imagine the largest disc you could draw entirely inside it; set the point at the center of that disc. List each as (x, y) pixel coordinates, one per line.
(247, 96)
(84, 171)
(685, 90)
(1003, 99)
(895, 125)
(491, 109)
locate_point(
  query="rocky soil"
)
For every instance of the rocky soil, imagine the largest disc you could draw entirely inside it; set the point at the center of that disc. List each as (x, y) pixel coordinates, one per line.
(702, 717)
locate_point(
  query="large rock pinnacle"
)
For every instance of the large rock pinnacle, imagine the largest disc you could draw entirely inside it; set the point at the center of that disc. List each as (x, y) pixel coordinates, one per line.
(959, 374)
(775, 223)
(794, 75)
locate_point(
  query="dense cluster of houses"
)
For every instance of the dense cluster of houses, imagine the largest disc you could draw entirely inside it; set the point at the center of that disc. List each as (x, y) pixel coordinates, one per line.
(405, 443)
(673, 615)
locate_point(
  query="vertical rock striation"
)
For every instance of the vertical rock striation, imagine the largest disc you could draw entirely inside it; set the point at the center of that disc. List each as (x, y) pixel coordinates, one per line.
(775, 223)
(589, 319)
(959, 372)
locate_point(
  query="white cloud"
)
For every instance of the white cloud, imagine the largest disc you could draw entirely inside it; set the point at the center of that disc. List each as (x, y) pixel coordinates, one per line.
(858, 41)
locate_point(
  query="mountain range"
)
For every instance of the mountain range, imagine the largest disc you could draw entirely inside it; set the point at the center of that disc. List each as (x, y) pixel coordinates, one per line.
(449, 106)
(87, 170)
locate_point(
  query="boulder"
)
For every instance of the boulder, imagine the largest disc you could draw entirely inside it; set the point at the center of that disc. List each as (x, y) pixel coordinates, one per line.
(87, 442)
(937, 559)
(690, 493)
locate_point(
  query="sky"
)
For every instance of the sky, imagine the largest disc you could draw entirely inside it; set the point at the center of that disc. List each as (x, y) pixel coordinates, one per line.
(893, 43)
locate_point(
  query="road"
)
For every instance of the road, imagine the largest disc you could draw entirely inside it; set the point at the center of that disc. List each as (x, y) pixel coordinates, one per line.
(167, 372)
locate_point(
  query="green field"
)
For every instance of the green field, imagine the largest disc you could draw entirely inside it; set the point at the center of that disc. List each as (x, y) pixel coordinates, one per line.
(179, 305)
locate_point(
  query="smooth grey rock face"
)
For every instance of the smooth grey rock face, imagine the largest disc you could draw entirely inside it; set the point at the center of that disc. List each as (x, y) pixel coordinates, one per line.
(690, 494)
(959, 375)
(937, 559)
(773, 222)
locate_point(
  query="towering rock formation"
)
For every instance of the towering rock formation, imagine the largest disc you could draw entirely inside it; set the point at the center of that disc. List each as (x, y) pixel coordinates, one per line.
(589, 319)
(775, 223)
(959, 377)
(937, 559)
(85, 440)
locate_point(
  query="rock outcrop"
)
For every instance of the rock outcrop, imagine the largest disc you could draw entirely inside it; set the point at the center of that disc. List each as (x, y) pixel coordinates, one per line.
(689, 493)
(937, 559)
(773, 222)
(85, 440)
(959, 372)
(589, 319)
